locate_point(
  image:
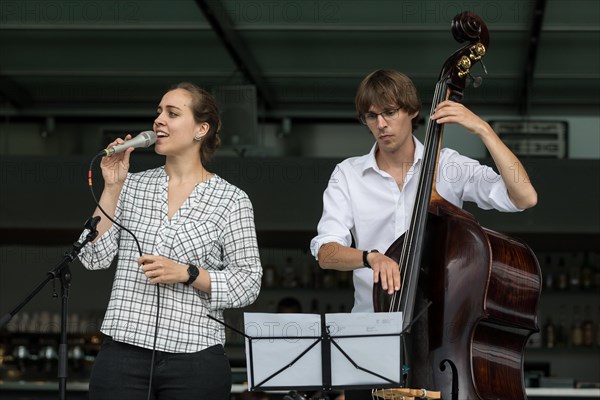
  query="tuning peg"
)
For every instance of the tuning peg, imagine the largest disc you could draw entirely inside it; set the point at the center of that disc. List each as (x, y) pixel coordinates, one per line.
(484, 68)
(474, 80)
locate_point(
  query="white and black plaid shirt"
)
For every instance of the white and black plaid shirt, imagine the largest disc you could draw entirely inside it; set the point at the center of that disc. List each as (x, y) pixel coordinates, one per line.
(213, 229)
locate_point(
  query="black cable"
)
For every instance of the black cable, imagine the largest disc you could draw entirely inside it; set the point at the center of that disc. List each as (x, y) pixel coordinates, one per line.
(140, 252)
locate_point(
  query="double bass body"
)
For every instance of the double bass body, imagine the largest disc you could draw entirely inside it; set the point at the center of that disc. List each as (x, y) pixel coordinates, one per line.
(479, 291)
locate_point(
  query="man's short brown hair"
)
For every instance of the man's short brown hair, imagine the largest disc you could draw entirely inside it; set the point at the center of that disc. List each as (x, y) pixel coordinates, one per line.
(387, 89)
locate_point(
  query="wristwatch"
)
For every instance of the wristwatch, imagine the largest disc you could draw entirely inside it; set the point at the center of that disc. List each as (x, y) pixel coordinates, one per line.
(194, 272)
(365, 254)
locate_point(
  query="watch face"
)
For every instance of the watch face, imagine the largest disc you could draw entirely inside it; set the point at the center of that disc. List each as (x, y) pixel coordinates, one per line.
(193, 271)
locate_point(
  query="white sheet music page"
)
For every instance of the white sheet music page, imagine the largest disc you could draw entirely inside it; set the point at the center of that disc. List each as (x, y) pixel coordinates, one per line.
(275, 358)
(378, 354)
(280, 345)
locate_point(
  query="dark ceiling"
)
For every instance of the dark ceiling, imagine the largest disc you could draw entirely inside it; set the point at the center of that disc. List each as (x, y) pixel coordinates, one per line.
(109, 58)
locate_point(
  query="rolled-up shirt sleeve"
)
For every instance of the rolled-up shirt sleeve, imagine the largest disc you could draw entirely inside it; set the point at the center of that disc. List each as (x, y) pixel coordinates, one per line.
(337, 220)
(237, 282)
(100, 254)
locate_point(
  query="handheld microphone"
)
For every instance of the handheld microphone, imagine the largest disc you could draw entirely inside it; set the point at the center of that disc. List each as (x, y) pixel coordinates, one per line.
(144, 139)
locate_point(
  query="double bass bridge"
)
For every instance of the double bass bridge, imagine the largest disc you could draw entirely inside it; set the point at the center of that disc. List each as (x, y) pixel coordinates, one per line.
(406, 394)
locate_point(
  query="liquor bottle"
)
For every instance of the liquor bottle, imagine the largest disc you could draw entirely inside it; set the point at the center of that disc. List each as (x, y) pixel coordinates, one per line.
(587, 273)
(574, 275)
(549, 334)
(289, 275)
(548, 274)
(562, 277)
(587, 327)
(269, 275)
(576, 328)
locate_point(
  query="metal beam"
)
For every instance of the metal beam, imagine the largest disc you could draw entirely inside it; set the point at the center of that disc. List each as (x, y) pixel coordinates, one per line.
(537, 19)
(280, 28)
(221, 23)
(14, 93)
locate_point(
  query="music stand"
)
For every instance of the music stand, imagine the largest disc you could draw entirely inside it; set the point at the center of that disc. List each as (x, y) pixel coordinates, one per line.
(323, 352)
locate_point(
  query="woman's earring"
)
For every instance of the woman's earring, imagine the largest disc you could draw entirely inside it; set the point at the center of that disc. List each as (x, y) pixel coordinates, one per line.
(197, 138)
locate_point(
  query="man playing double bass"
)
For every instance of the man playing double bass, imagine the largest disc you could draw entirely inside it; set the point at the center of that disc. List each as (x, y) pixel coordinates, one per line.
(369, 199)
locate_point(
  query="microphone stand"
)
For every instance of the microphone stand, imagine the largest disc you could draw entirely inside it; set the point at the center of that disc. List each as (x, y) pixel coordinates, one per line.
(62, 272)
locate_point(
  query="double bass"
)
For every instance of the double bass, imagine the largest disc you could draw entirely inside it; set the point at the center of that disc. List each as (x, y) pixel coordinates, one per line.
(468, 295)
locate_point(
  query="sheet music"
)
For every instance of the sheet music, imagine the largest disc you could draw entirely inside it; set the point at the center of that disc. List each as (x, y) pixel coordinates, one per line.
(378, 354)
(284, 337)
(270, 355)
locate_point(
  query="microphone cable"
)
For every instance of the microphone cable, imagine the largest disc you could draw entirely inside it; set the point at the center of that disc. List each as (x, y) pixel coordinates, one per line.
(90, 184)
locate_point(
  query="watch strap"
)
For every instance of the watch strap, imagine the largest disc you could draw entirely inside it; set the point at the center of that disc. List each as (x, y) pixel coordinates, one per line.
(365, 260)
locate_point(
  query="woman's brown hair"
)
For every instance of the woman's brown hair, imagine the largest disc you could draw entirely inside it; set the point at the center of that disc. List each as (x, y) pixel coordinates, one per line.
(204, 108)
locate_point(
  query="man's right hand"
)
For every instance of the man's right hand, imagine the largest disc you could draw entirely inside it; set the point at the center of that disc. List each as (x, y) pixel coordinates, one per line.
(386, 271)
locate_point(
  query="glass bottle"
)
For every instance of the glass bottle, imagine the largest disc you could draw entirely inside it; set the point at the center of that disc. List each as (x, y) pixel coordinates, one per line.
(587, 273)
(269, 275)
(549, 334)
(289, 275)
(576, 328)
(587, 327)
(562, 277)
(574, 275)
(548, 274)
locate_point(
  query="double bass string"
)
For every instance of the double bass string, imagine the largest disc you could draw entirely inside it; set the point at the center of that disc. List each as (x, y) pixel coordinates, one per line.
(407, 248)
(410, 255)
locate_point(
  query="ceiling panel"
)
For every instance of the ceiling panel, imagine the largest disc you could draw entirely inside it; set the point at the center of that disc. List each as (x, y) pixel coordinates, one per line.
(116, 58)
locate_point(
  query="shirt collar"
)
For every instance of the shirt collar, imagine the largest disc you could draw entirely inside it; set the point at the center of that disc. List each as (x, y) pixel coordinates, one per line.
(370, 162)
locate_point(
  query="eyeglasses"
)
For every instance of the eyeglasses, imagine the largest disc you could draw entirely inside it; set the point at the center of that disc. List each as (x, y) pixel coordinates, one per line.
(370, 118)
